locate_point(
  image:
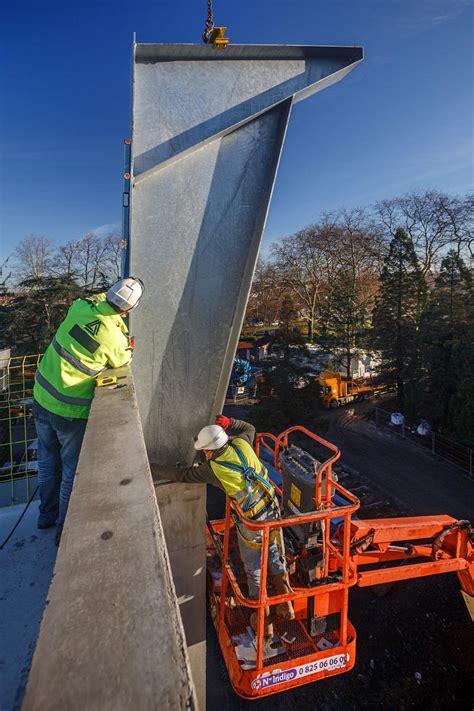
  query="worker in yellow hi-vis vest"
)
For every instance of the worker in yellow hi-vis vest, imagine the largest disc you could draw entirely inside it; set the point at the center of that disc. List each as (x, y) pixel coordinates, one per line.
(232, 465)
(92, 337)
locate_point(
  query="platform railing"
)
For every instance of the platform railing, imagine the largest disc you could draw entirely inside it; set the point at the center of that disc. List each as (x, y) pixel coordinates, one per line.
(326, 513)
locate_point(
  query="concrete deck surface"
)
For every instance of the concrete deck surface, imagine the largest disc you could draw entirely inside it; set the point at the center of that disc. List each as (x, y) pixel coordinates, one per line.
(26, 568)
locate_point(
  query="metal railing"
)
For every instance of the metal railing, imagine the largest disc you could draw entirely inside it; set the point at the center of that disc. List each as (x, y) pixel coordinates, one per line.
(453, 452)
(18, 450)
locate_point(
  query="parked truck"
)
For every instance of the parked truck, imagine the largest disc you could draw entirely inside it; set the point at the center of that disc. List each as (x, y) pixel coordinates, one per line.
(337, 390)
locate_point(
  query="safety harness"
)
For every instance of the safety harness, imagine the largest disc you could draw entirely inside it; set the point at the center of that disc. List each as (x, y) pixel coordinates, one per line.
(251, 505)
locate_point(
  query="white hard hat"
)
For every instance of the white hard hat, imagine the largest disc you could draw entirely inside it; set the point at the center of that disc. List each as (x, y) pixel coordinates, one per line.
(125, 294)
(211, 437)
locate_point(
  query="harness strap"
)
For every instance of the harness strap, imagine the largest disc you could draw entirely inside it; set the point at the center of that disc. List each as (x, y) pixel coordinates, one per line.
(250, 474)
(250, 471)
(230, 465)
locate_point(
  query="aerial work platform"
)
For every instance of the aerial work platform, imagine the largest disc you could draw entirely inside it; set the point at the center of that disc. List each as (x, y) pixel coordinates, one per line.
(328, 551)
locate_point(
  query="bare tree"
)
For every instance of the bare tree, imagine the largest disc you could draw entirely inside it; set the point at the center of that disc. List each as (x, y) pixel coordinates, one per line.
(33, 257)
(357, 258)
(300, 262)
(112, 256)
(434, 220)
(266, 294)
(459, 212)
(91, 259)
(311, 261)
(68, 257)
(5, 276)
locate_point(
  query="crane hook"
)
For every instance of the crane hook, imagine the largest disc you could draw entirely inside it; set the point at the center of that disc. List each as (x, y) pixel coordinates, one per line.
(212, 34)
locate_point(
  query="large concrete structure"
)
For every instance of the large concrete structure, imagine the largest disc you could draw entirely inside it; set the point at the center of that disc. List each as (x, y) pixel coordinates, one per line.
(208, 129)
(111, 636)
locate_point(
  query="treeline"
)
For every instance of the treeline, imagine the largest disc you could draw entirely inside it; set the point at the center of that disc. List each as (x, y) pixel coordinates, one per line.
(40, 281)
(395, 281)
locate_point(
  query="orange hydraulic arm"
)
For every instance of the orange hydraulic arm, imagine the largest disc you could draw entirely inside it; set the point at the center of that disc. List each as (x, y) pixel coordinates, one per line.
(429, 544)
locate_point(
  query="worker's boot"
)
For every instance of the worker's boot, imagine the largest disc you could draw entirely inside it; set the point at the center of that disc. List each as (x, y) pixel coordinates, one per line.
(284, 610)
(267, 625)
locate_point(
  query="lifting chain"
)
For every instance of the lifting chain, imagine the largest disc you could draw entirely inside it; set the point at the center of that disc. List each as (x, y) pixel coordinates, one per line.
(214, 35)
(209, 26)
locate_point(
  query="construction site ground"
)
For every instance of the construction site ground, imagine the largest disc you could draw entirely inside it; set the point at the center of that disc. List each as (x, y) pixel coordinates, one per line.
(415, 647)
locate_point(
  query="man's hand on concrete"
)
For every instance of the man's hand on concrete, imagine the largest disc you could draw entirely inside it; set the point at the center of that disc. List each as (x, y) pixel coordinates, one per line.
(163, 473)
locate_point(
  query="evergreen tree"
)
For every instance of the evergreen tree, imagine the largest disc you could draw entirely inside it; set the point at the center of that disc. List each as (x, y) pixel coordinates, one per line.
(461, 411)
(448, 349)
(346, 322)
(29, 321)
(396, 320)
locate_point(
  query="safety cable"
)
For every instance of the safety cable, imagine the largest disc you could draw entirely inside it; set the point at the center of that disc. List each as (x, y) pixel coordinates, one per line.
(19, 520)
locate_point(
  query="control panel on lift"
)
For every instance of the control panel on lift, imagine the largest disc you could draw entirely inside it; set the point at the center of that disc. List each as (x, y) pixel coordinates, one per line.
(298, 473)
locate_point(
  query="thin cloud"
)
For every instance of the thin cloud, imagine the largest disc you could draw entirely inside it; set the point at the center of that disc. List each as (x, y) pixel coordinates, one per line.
(104, 230)
(432, 14)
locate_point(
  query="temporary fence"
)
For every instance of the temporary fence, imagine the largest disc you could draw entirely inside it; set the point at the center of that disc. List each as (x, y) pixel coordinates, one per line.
(448, 449)
(18, 444)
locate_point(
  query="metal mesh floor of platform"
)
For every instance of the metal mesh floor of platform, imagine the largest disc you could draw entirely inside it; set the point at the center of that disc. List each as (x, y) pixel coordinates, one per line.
(237, 617)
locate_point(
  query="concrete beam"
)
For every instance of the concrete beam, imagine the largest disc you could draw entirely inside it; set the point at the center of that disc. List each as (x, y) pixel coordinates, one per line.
(111, 637)
(183, 512)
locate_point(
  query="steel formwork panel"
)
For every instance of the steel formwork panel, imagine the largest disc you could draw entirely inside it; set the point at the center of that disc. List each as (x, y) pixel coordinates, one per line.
(208, 129)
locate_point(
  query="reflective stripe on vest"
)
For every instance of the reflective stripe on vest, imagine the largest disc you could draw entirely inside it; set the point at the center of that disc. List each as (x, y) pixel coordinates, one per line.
(84, 339)
(91, 337)
(254, 506)
(59, 396)
(75, 362)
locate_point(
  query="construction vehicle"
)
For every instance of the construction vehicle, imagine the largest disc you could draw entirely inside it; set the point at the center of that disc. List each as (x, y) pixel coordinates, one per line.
(328, 551)
(337, 390)
(243, 380)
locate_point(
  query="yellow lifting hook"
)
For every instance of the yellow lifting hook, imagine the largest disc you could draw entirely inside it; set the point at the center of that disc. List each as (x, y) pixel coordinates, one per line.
(217, 38)
(212, 34)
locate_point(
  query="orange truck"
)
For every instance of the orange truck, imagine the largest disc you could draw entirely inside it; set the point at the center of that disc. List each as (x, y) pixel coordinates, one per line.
(337, 390)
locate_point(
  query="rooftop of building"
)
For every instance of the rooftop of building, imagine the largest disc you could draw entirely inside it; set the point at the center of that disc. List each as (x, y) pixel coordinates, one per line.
(27, 563)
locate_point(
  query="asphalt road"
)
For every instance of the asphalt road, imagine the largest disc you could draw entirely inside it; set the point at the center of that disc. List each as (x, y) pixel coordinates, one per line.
(401, 469)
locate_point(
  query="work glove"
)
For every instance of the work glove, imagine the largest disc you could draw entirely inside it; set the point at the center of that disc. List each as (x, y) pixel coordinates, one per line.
(223, 421)
(132, 342)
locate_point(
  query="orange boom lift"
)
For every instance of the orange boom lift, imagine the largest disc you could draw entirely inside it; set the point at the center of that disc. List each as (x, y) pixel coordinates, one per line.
(328, 551)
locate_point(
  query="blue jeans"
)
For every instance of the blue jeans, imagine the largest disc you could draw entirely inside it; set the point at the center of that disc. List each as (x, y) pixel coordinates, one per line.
(251, 553)
(59, 446)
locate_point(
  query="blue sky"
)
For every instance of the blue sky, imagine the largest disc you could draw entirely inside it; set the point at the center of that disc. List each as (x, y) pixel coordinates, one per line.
(401, 120)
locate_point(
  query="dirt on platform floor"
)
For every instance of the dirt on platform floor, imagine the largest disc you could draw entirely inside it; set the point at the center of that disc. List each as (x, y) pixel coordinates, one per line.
(415, 642)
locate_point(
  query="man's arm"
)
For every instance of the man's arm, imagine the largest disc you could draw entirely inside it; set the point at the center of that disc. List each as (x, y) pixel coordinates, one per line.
(119, 352)
(240, 428)
(196, 474)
